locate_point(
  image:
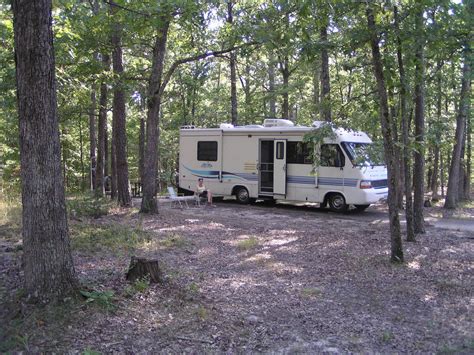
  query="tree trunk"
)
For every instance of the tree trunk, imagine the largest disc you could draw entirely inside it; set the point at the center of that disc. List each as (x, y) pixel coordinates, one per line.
(48, 267)
(92, 139)
(325, 103)
(102, 132)
(419, 167)
(120, 135)
(463, 110)
(149, 203)
(405, 134)
(316, 91)
(285, 72)
(113, 164)
(395, 237)
(271, 86)
(81, 155)
(141, 148)
(467, 180)
(233, 73)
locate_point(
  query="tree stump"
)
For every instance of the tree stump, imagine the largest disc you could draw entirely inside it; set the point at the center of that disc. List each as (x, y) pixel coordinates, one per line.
(144, 268)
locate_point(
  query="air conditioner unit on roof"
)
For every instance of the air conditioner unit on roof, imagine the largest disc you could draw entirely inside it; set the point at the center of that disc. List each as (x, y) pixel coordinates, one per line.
(277, 122)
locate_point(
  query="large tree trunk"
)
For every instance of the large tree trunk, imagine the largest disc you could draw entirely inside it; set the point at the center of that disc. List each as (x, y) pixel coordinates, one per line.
(325, 103)
(463, 107)
(405, 135)
(48, 266)
(233, 72)
(120, 135)
(419, 167)
(395, 237)
(149, 203)
(102, 132)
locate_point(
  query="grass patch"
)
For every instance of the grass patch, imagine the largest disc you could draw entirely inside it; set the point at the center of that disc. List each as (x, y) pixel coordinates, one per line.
(139, 286)
(88, 206)
(10, 218)
(116, 238)
(102, 299)
(173, 241)
(311, 292)
(247, 244)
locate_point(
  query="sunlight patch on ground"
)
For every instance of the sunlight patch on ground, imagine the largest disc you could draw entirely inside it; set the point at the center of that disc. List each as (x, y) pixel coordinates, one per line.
(260, 258)
(281, 267)
(415, 265)
(207, 251)
(190, 220)
(283, 241)
(429, 297)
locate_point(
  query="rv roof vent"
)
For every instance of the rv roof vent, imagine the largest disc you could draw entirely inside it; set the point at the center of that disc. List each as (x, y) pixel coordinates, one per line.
(188, 127)
(277, 122)
(226, 125)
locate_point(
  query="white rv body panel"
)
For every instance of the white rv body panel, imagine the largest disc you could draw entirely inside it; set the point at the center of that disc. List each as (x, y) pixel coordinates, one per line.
(257, 158)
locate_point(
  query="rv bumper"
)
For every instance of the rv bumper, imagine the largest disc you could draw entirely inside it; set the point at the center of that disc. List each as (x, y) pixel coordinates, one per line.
(367, 196)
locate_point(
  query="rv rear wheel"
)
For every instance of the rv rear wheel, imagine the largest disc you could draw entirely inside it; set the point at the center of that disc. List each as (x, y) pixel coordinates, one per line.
(337, 203)
(361, 208)
(242, 195)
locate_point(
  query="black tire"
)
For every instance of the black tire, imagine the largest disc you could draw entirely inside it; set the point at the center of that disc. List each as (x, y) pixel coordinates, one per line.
(361, 208)
(337, 203)
(242, 195)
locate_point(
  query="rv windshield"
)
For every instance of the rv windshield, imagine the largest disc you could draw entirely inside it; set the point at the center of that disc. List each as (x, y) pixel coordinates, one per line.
(364, 154)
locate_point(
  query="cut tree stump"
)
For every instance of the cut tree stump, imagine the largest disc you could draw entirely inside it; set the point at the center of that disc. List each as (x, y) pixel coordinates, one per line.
(144, 268)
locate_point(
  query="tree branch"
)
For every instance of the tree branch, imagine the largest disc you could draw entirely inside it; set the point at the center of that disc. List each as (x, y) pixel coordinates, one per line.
(177, 63)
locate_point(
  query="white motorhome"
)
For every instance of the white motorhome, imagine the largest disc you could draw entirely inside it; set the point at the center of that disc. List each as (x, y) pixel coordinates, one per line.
(271, 161)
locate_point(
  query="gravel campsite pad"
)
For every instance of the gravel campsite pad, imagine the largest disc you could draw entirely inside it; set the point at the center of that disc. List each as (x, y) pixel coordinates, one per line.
(262, 278)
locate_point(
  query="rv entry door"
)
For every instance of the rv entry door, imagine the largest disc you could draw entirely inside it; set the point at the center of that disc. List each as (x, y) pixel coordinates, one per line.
(279, 173)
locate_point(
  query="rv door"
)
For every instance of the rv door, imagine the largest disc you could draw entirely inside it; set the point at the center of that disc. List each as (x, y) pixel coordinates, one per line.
(279, 168)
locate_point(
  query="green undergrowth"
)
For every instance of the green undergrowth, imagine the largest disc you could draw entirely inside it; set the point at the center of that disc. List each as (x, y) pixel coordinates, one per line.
(10, 217)
(88, 206)
(111, 237)
(247, 244)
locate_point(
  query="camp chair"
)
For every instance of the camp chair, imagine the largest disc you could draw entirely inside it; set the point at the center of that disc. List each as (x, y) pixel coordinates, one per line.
(179, 200)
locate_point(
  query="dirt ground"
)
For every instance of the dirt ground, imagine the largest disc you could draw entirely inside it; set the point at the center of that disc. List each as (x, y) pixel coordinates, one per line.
(259, 278)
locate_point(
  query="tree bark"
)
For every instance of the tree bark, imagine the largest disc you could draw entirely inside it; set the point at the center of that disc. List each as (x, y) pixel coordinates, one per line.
(467, 180)
(325, 103)
(102, 132)
(48, 267)
(395, 237)
(120, 135)
(463, 110)
(141, 148)
(405, 134)
(149, 203)
(419, 167)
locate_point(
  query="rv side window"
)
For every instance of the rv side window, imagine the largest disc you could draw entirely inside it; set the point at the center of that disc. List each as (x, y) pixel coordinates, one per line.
(207, 151)
(331, 155)
(298, 153)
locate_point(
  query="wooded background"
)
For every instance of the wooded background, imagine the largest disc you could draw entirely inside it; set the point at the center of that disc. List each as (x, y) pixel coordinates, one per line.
(129, 74)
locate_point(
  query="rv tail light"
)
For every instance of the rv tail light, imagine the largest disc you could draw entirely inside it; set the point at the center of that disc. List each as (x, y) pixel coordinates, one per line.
(364, 184)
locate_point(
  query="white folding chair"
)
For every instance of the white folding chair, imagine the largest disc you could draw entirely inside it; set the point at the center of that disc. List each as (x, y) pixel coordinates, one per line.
(179, 200)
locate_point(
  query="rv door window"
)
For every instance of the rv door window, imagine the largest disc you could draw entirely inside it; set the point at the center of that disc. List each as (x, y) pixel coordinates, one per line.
(280, 151)
(332, 156)
(207, 151)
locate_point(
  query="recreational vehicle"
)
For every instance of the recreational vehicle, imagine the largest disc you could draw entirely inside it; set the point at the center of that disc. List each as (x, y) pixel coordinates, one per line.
(271, 161)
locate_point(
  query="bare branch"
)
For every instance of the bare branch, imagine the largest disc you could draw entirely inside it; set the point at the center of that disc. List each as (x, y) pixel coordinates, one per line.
(177, 63)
